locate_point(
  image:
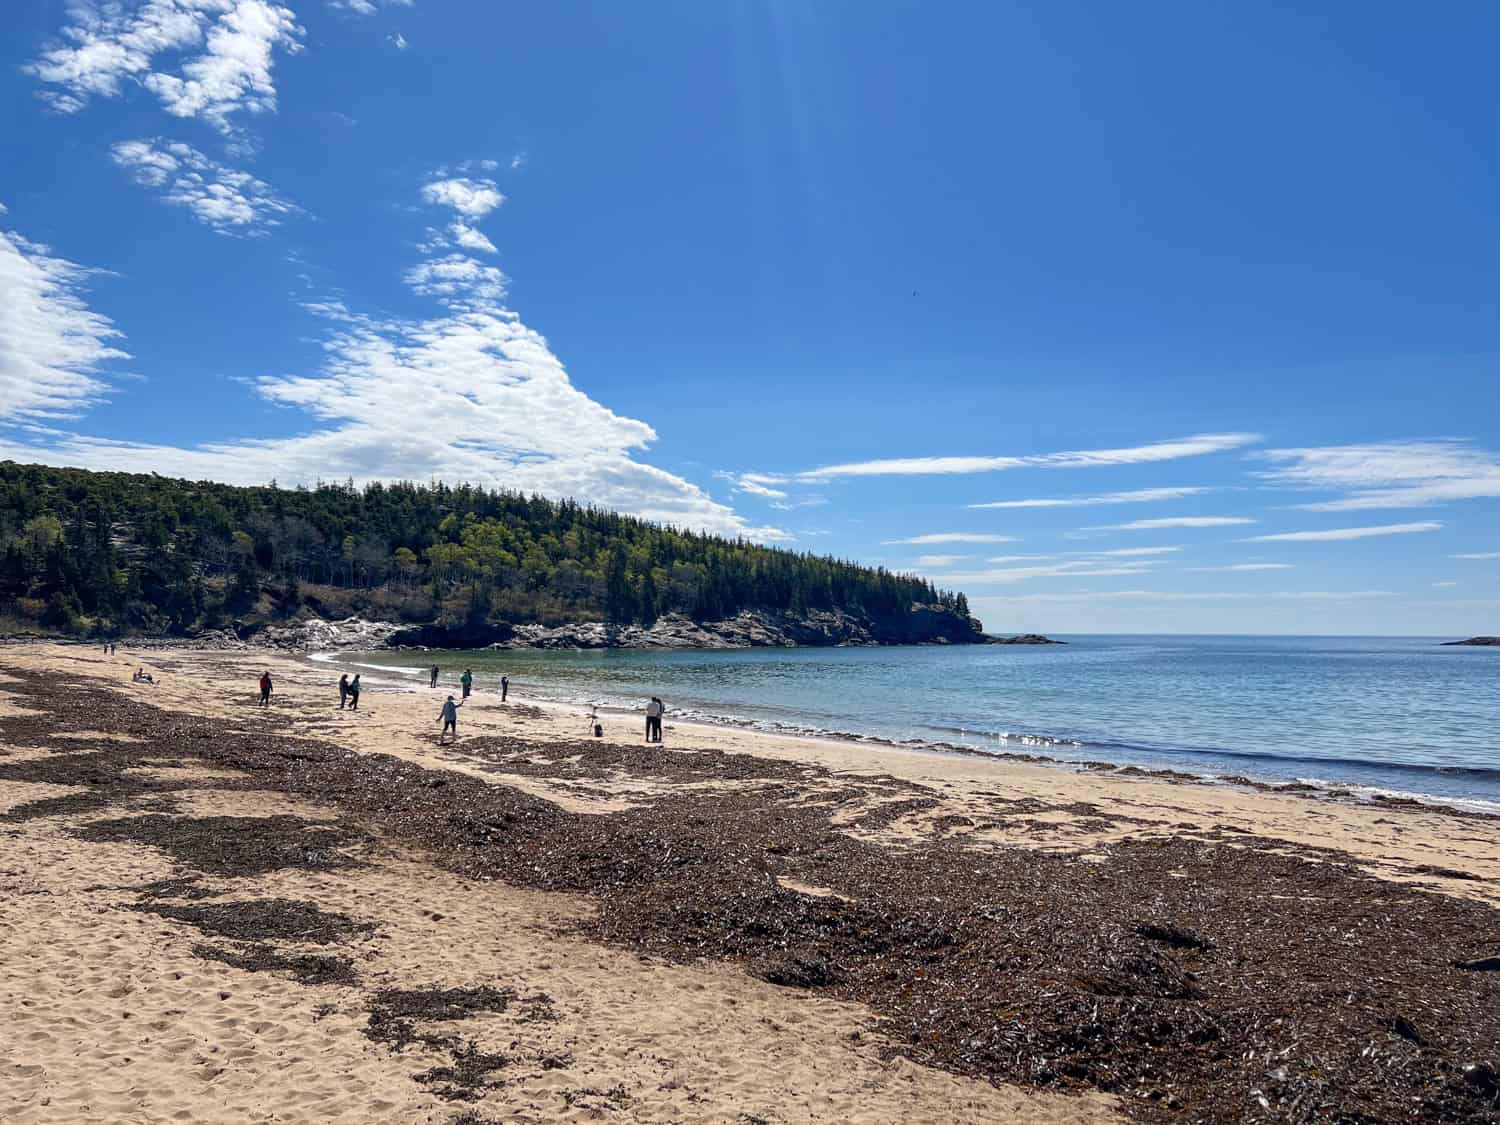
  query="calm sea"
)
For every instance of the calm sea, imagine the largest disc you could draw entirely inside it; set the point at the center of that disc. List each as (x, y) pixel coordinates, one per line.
(1394, 715)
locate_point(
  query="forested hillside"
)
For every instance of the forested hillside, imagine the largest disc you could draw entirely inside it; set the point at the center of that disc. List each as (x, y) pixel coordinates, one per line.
(107, 553)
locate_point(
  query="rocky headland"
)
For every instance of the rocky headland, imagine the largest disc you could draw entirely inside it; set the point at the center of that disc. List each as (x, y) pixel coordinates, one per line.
(1481, 641)
(751, 629)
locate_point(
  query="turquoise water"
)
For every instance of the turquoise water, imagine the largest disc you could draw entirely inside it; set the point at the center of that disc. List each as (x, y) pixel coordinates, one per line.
(1400, 715)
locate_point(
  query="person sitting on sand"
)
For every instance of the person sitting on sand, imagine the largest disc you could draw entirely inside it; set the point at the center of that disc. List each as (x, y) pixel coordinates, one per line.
(467, 679)
(354, 693)
(265, 688)
(449, 716)
(343, 690)
(142, 677)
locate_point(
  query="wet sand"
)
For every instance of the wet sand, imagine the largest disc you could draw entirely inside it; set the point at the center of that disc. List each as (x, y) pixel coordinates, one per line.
(530, 926)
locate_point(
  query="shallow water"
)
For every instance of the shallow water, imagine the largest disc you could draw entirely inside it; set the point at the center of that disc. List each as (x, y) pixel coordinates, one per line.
(1398, 715)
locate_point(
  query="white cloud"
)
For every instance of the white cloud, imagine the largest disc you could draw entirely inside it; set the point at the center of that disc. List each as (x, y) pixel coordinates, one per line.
(756, 484)
(473, 199)
(471, 239)
(458, 277)
(1138, 496)
(398, 41)
(52, 345)
(1154, 451)
(225, 49)
(366, 7)
(1243, 566)
(1134, 551)
(937, 561)
(1077, 569)
(1174, 521)
(1340, 533)
(951, 537)
(1444, 585)
(1480, 555)
(1396, 474)
(1187, 596)
(224, 198)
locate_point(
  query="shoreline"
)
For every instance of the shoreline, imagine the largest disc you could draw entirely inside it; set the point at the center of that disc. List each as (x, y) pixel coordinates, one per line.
(730, 926)
(1306, 787)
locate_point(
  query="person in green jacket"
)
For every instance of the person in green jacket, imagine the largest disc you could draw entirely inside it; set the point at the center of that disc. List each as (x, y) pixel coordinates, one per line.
(467, 679)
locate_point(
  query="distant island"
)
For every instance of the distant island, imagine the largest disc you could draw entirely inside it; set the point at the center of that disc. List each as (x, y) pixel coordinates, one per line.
(88, 554)
(1475, 641)
(1023, 639)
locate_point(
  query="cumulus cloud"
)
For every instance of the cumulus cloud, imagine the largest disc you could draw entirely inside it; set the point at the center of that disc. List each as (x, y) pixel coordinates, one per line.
(1171, 450)
(457, 277)
(950, 537)
(473, 199)
(1394, 474)
(1338, 533)
(52, 345)
(207, 59)
(1138, 496)
(1174, 521)
(226, 199)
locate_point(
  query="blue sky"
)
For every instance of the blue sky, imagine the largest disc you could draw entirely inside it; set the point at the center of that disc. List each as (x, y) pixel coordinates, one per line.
(867, 279)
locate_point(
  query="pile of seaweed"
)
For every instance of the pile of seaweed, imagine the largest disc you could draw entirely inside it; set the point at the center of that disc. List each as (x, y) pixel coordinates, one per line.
(1198, 980)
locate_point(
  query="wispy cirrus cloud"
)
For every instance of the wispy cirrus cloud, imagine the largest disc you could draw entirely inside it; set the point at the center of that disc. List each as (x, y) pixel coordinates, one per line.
(1137, 496)
(1235, 567)
(1340, 533)
(1478, 555)
(1171, 450)
(225, 199)
(207, 59)
(52, 345)
(1081, 568)
(1192, 596)
(1394, 474)
(937, 562)
(1174, 522)
(367, 7)
(949, 537)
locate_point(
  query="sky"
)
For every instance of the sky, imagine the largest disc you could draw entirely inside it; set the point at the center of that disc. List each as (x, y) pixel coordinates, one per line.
(1159, 317)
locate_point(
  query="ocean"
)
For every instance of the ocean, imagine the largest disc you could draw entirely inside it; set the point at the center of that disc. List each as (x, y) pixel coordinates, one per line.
(1395, 716)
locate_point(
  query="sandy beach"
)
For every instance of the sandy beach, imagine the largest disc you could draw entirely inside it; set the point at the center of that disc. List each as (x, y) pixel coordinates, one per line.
(212, 911)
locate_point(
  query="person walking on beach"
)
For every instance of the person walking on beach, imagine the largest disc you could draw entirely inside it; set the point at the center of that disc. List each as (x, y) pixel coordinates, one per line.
(467, 679)
(343, 690)
(265, 689)
(354, 693)
(434, 676)
(504, 688)
(654, 711)
(449, 716)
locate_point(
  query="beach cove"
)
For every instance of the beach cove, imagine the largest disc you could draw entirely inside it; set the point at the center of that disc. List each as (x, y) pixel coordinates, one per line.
(236, 914)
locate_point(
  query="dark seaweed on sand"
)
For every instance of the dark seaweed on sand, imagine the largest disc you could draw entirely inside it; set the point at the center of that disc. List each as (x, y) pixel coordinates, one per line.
(1221, 979)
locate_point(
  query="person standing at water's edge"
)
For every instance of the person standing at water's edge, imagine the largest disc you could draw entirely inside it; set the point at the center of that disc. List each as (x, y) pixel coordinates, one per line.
(354, 693)
(449, 717)
(265, 688)
(434, 676)
(504, 688)
(343, 690)
(654, 711)
(467, 679)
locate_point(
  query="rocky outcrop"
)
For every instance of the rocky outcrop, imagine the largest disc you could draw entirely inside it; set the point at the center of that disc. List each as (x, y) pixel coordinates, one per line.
(752, 629)
(1023, 639)
(1476, 641)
